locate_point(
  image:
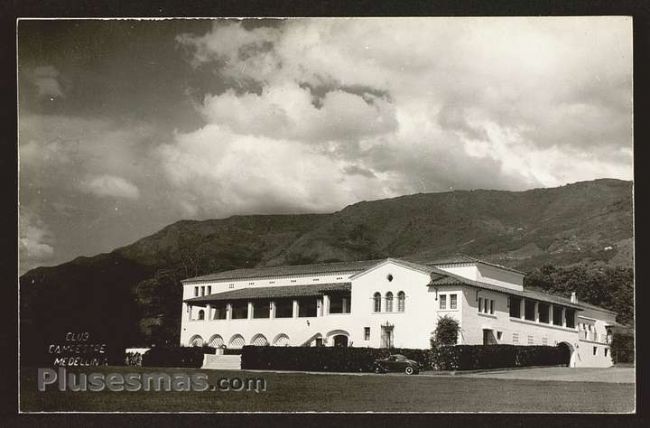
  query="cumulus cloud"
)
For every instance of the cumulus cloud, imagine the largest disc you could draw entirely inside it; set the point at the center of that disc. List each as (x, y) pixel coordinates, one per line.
(46, 80)
(217, 170)
(378, 107)
(111, 186)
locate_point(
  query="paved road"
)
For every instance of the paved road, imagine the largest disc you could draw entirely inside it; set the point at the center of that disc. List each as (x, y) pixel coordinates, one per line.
(609, 375)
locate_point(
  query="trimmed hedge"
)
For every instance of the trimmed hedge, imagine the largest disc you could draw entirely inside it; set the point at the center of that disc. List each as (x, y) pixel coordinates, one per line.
(474, 357)
(176, 356)
(323, 359)
(622, 348)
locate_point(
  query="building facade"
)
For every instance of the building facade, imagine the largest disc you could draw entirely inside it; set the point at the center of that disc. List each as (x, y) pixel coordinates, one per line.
(388, 303)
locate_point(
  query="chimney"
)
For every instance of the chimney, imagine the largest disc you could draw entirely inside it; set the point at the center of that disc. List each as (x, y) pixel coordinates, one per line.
(574, 299)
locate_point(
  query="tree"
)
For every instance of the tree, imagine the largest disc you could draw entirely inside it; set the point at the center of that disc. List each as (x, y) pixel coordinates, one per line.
(446, 332)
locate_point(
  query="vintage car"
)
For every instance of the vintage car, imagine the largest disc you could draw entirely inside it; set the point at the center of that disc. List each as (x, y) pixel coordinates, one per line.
(396, 363)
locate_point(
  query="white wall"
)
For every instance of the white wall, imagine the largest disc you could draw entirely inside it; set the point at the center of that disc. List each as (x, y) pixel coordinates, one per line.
(485, 273)
(412, 328)
(296, 328)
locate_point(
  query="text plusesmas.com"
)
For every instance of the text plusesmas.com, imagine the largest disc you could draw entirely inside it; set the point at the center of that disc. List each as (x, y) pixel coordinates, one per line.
(63, 380)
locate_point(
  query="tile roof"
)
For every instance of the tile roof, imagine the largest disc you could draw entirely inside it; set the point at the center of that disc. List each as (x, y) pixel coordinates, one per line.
(438, 277)
(451, 279)
(273, 292)
(461, 258)
(277, 271)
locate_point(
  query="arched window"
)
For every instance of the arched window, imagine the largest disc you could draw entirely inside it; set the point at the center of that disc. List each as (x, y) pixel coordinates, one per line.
(389, 302)
(400, 301)
(377, 302)
(201, 314)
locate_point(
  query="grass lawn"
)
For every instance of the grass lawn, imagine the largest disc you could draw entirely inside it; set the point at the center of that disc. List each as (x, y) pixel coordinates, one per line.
(300, 392)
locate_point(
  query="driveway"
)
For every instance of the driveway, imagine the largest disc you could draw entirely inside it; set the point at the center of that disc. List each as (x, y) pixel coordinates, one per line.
(609, 375)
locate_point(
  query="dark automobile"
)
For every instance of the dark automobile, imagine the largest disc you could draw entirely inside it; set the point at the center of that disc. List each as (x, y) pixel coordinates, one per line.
(396, 363)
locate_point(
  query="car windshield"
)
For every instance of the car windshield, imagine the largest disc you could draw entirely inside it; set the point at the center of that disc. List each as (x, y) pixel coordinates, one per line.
(398, 357)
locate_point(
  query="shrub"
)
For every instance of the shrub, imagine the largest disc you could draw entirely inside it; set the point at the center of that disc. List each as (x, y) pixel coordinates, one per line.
(176, 356)
(474, 357)
(622, 348)
(323, 359)
(446, 332)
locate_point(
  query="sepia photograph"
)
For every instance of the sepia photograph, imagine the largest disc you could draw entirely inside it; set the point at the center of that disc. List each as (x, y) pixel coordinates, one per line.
(330, 215)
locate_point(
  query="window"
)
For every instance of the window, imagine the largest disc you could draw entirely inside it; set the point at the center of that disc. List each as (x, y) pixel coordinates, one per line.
(376, 302)
(366, 333)
(595, 350)
(499, 334)
(401, 300)
(231, 285)
(515, 307)
(543, 308)
(557, 315)
(220, 311)
(284, 308)
(262, 309)
(203, 290)
(201, 314)
(389, 302)
(530, 340)
(443, 301)
(316, 279)
(529, 310)
(339, 303)
(307, 307)
(453, 301)
(196, 291)
(515, 337)
(570, 315)
(605, 351)
(209, 289)
(485, 306)
(239, 310)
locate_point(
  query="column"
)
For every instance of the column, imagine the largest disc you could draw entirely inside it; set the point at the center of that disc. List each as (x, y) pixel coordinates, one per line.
(563, 316)
(326, 305)
(345, 305)
(319, 307)
(250, 310)
(208, 312)
(229, 311)
(536, 311)
(188, 308)
(295, 309)
(550, 314)
(522, 308)
(272, 310)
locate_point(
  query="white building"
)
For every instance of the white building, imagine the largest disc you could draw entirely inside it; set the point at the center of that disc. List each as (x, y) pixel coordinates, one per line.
(387, 303)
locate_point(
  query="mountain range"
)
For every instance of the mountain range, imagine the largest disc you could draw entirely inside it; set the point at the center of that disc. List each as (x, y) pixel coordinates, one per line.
(132, 294)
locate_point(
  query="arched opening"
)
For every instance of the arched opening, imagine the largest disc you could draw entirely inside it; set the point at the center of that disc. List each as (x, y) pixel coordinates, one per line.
(196, 340)
(376, 302)
(401, 301)
(216, 341)
(201, 315)
(340, 341)
(237, 341)
(281, 340)
(259, 340)
(568, 354)
(389, 302)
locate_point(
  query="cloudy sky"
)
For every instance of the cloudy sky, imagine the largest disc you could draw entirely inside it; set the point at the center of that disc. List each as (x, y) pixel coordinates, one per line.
(127, 126)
